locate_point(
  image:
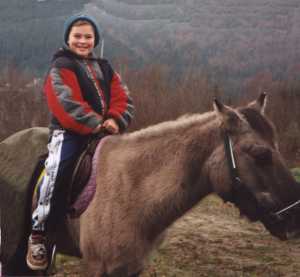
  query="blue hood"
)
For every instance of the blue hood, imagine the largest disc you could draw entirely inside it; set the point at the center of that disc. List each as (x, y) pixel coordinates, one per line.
(71, 20)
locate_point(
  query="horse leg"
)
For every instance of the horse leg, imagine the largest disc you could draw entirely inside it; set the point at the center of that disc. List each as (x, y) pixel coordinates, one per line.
(94, 268)
(95, 271)
(121, 275)
(121, 272)
(136, 274)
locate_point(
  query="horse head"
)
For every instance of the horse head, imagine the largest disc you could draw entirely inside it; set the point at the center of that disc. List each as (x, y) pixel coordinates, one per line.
(249, 171)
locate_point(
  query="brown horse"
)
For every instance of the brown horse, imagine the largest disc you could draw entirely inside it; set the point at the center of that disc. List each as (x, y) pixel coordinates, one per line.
(149, 178)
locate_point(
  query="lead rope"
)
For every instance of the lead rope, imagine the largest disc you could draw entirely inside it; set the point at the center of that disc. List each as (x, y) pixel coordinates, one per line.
(295, 204)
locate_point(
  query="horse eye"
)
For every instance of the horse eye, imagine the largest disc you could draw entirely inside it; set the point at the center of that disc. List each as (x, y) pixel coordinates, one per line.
(261, 154)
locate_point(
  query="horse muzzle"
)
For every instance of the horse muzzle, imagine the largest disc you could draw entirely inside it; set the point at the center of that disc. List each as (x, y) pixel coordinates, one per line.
(285, 223)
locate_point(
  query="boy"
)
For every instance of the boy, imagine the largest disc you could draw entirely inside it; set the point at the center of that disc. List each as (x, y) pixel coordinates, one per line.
(84, 95)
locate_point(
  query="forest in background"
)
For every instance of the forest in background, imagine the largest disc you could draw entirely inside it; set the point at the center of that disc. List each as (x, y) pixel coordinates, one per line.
(234, 41)
(158, 99)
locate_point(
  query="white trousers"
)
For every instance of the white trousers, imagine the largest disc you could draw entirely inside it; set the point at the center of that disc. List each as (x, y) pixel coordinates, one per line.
(46, 188)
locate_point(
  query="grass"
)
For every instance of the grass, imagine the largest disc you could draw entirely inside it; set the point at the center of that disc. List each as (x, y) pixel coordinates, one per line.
(296, 173)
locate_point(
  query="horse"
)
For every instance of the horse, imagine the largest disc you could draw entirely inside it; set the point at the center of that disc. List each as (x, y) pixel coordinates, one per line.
(149, 178)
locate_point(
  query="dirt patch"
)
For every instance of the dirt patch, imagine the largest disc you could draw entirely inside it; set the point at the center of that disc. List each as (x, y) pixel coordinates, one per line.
(212, 240)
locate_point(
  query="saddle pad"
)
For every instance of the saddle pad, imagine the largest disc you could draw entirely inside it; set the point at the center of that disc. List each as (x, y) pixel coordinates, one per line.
(87, 194)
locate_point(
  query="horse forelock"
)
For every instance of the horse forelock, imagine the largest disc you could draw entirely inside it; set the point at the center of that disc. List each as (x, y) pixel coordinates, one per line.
(259, 123)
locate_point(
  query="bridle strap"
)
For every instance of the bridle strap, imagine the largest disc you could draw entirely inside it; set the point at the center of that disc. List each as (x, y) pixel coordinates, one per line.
(230, 158)
(239, 189)
(236, 181)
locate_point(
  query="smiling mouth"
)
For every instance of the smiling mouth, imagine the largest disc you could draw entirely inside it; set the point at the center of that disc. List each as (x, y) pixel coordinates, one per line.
(82, 46)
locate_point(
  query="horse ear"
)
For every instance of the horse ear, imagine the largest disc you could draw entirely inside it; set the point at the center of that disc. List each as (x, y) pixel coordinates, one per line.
(227, 116)
(260, 103)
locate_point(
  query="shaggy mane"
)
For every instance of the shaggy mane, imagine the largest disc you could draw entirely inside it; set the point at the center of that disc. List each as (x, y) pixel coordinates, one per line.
(184, 121)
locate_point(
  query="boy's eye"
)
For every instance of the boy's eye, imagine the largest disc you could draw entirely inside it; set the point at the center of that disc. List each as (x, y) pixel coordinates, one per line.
(79, 36)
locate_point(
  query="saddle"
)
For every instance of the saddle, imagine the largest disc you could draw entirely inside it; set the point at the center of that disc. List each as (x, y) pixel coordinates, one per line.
(80, 176)
(82, 170)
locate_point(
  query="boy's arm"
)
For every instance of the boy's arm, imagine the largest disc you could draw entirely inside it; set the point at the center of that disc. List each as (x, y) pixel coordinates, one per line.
(66, 103)
(121, 106)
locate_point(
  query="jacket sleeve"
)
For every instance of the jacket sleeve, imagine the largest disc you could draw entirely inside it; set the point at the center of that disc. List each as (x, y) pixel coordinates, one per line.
(66, 103)
(121, 106)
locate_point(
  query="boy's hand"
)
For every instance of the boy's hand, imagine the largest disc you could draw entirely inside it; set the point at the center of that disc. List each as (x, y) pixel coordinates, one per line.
(97, 129)
(111, 126)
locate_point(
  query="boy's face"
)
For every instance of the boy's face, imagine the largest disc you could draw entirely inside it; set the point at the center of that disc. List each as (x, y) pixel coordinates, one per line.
(82, 39)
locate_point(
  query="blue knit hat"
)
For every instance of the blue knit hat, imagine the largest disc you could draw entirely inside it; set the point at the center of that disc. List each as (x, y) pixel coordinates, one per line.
(74, 18)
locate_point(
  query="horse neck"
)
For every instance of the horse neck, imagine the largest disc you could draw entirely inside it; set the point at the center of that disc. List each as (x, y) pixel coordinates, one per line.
(176, 178)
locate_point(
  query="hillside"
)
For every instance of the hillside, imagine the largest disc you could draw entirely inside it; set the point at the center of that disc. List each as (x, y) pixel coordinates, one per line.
(232, 40)
(31, 30)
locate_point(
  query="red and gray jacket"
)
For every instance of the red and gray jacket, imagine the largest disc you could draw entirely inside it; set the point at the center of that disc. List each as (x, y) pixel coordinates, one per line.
(82, 93)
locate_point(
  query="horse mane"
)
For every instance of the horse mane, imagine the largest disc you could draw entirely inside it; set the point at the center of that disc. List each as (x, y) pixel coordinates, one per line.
(259, 123)
(183, 122)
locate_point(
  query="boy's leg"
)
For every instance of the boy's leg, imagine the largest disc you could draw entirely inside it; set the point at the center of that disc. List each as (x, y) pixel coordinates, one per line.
(63, 147)
(37, 253)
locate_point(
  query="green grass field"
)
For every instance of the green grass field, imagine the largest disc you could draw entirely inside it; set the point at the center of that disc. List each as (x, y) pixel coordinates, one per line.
(296, 173)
